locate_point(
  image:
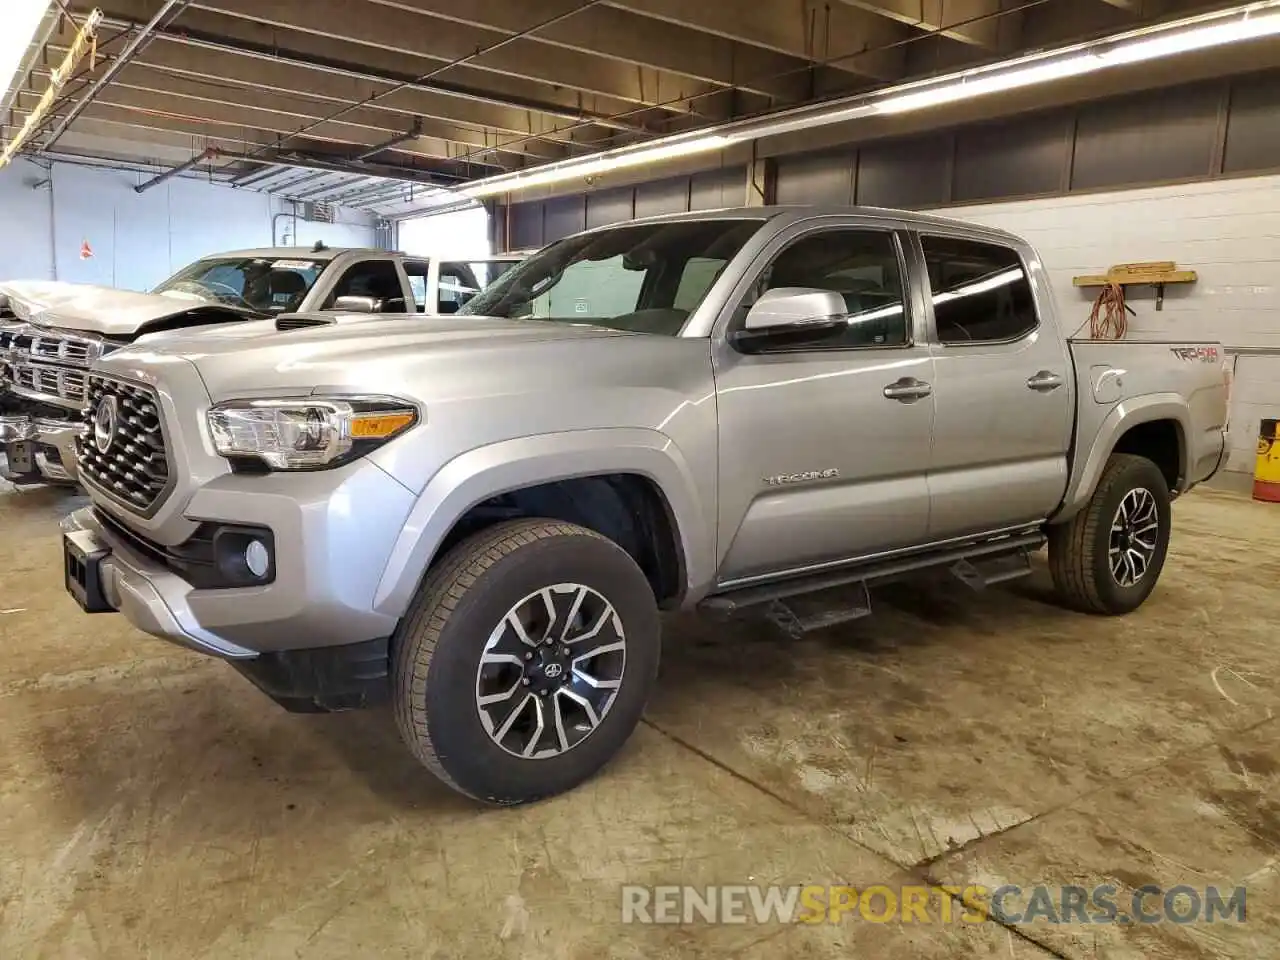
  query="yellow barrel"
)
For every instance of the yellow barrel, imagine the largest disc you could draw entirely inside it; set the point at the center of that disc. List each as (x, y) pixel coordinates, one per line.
(1266, 475)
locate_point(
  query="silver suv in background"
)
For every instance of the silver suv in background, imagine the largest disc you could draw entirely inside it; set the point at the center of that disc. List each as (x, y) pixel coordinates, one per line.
(51, 333)
(481, 516)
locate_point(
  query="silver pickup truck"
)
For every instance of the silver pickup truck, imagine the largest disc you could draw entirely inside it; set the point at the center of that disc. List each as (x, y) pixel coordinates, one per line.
(51, 332)
(481, 517)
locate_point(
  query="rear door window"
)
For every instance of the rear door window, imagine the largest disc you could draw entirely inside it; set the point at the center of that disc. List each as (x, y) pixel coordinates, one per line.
(981, 291)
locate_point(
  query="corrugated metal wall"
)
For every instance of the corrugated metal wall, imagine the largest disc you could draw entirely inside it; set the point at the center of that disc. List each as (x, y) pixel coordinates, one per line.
(538, 223)
(1198, 131)
(1194, 132)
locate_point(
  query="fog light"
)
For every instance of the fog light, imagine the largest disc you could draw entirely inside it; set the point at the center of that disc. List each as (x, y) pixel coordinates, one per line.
(257, 558)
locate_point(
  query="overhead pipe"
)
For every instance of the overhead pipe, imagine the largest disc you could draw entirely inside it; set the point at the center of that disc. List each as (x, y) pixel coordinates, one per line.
(36, 50)
(171, 7)
(208, 153)
(429, 178)
(411, 134)
(328, 188)
(274, 54)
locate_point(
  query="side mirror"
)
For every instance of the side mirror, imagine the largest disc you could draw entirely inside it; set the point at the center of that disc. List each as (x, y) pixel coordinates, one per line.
(791, 316)
(357, 305)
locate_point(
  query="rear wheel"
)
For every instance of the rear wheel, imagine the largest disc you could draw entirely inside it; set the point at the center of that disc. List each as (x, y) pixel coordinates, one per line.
(526, 660)
(1108, 557)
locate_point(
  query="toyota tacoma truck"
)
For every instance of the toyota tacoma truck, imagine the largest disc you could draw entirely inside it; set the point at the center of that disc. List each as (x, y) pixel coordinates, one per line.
(480, 517)
(51, 332)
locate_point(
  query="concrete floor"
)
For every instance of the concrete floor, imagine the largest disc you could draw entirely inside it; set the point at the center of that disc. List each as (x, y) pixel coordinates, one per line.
(152, 803)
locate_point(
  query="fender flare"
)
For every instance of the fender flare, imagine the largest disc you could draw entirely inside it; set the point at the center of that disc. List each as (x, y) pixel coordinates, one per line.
(1124, 416)
(501, 467)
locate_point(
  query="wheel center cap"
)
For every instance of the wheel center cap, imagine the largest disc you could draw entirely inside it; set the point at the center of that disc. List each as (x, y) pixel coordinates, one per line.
(549, 670)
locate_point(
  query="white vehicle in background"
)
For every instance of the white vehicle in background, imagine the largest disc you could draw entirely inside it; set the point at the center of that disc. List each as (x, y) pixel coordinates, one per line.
(52, 332)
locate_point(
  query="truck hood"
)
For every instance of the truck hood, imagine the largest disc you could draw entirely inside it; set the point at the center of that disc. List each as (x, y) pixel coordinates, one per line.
(357, 350)
(103, 310)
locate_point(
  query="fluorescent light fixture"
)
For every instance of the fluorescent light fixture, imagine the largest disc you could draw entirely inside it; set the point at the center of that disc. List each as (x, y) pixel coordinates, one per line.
(1250, 21)
(966, 88)
(1250, 27)
(994, 282)
(589, 166)
(1173, 39)
(21, 20)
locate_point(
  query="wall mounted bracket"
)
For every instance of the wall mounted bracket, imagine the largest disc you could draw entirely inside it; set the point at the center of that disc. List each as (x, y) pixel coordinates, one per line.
(1155, 274)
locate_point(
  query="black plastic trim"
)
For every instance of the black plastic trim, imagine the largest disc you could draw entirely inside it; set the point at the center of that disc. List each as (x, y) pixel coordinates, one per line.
(196, 559)
(323, 679)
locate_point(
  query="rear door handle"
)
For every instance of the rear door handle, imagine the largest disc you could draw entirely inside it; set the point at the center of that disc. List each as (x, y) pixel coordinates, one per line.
(908, 390)
(1044, 381)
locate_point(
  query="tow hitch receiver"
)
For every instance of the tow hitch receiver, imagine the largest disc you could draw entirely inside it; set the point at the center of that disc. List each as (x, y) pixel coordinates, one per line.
(82, 558)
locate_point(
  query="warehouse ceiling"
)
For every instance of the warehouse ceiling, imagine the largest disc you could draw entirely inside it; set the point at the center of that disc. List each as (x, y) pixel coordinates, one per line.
(383, 104)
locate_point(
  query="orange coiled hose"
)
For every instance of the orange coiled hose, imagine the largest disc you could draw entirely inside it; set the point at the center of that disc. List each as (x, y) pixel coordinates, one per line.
(1108, 320)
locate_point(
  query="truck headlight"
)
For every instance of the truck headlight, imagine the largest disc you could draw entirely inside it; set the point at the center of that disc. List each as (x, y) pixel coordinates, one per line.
(307, 433)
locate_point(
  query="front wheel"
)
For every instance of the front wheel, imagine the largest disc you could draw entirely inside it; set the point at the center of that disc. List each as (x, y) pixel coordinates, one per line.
(1108, 557)
(525, 661)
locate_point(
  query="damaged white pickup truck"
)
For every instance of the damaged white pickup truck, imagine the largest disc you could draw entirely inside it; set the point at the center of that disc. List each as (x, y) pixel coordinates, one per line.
(51, 332)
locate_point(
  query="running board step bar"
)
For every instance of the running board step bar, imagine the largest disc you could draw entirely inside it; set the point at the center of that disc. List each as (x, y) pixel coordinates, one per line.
(977, 565)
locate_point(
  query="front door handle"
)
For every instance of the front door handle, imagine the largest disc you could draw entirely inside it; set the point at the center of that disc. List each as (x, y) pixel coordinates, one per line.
(908, 390)
(1044, 381)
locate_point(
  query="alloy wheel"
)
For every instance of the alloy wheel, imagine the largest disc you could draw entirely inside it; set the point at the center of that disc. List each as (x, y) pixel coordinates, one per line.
(550, 671)
(1135, 535)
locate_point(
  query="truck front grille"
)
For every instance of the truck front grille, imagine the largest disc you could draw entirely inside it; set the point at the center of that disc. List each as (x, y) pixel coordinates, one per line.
(76, 351)
(45, 366)
(121, 451)
(43, 382)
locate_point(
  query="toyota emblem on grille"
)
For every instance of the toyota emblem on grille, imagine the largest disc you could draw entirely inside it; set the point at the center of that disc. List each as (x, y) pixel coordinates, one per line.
(105, 422)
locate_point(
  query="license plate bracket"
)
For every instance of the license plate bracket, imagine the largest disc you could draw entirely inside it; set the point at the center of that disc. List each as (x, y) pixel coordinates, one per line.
(82, 556)
(21, 456)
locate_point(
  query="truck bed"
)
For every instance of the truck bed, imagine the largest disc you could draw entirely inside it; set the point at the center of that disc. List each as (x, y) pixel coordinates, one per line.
(1158, 375)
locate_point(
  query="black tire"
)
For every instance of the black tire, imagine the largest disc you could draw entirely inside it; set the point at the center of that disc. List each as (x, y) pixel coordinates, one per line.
(438, 649)
(1080, 549)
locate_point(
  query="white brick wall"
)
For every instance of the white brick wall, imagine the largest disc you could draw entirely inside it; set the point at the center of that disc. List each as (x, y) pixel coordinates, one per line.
(1228, 231)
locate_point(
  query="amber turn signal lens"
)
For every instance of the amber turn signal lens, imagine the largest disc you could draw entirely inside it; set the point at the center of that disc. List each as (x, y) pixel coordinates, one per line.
(379, 426)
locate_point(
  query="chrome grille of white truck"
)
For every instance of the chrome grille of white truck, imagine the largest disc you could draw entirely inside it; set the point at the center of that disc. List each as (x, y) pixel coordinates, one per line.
(47, 367)
(49, 383)
(121, 451)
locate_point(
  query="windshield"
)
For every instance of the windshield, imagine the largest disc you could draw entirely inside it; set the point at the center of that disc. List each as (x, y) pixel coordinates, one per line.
(263, 284)
(642, 278)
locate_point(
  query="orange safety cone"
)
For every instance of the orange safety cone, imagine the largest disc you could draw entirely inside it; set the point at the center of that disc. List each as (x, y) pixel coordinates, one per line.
(1266, 474)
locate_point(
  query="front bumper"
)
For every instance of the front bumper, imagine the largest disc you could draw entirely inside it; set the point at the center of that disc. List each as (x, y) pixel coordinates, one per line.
(53, 444)
(14, 429)
(333, 532)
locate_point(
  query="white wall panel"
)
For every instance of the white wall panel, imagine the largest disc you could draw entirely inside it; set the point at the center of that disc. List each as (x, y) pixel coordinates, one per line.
(138, 239)
(26, 243)
(1227, 230)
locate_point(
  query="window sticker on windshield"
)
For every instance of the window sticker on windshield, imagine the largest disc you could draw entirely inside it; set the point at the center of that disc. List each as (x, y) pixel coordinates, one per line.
(292, 265)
